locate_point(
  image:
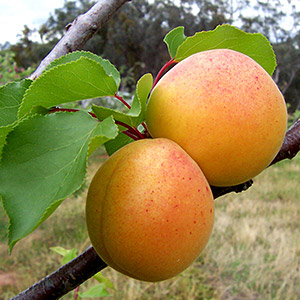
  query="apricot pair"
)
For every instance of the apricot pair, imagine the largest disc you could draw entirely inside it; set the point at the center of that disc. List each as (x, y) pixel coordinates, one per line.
(150, 209)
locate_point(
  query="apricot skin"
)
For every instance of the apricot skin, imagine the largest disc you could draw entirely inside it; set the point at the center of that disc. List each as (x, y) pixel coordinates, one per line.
(224, 110)
(149, 210)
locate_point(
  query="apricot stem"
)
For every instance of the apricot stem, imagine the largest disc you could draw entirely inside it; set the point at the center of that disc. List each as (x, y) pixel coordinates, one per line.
(131, 135)
(122, 100)
(132, 132)
(76, 293)
(160, 73)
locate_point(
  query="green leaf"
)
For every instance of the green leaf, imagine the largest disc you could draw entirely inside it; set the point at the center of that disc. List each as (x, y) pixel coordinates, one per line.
(174, 39)
(60, 250)
(96, 291)
(68, 255)
(107, 129)
(44, 162)
(143, 89)
(225, 36)
(11, 96)
(76, 80)
(109, 68)
(120, 141)
(102, 279)
(135, 115)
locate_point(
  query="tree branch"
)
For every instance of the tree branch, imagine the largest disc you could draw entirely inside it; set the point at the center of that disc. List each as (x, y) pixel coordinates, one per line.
(291, 144)
(80, 31)
(289, 149)
(65, 279)
(80, 269)
(87, 264)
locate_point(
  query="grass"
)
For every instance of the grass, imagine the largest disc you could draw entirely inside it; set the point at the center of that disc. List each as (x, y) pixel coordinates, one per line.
(253, 253)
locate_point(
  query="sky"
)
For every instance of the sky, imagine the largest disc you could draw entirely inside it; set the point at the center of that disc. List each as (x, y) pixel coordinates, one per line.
(14, 14)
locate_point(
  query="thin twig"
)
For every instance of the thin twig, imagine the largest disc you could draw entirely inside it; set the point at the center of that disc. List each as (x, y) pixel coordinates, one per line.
(162, 70)
(80, 31)
(291, 144)
(123, 101)
(80, 269)
(289, 149)
(65, 279)
(88, 263)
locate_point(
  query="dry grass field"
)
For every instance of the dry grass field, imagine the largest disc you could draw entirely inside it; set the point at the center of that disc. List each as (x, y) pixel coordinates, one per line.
(253, 253)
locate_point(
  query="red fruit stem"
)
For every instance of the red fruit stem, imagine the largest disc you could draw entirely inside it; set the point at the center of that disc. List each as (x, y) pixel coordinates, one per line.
(146, 129)
(160, 73)
(131, 135)
(122, 100)
(132, 132)
(76, 293)
(87, 264)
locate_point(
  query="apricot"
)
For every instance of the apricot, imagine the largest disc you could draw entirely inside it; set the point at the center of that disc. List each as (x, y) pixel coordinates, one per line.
(149, 210)
(224, 110)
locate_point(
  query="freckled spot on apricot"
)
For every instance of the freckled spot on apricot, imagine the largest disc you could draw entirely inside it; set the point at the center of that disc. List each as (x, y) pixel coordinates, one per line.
(190, 232)
(147, 210)
(199, 190)
(201, 212)
(167, 220)
(195, 222)
(207, 189)
(190, 178)
(210, 210)
(176, 206)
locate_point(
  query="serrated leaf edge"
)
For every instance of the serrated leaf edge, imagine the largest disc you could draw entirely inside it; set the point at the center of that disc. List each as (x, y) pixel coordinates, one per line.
(54, 204)
(45, 74)
(93, 57)
(166, 36)
(89, 152)
(128, 113)
(217, 28)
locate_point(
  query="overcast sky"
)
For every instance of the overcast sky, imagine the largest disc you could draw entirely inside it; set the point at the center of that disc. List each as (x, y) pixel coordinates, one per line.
(14, 14)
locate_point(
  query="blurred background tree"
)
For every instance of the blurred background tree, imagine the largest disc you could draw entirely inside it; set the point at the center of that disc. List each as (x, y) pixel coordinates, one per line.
(132, 40)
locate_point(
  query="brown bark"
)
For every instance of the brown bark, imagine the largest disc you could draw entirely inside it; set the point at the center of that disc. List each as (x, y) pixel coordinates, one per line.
(80, 269)
(80, 31)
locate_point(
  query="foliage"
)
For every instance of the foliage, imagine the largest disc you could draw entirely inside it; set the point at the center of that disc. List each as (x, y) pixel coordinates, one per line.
(149, 21)
(9, 71)
(293, 117)
(253, 252)
(46, 146)
(44, 158)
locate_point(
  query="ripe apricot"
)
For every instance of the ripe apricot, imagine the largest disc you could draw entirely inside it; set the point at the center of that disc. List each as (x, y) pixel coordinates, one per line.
(149, 210)
(224, 110)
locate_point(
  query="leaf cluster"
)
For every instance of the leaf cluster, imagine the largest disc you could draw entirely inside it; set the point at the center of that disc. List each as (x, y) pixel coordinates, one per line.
(44, 147)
